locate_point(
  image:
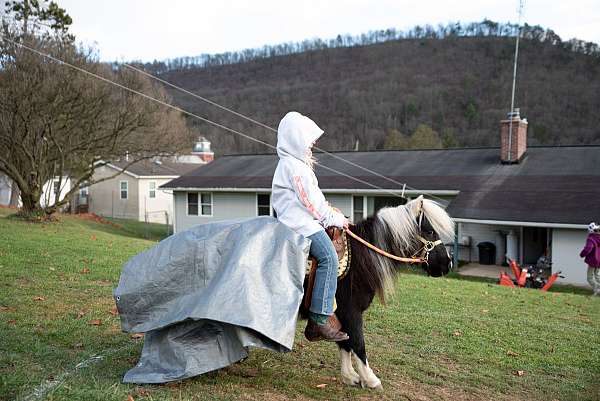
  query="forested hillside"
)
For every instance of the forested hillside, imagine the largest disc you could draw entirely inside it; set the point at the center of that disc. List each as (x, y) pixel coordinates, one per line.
(451, 88)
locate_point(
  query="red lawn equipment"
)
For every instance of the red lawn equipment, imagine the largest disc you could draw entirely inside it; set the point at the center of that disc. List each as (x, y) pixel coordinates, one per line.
(531, 276)
(506, 280)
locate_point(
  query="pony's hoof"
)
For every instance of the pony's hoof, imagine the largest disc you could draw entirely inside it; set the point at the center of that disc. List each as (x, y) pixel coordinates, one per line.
(352, 380)
(373, 385)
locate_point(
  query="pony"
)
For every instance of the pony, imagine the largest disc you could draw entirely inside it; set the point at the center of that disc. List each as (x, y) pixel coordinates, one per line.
(403, 231)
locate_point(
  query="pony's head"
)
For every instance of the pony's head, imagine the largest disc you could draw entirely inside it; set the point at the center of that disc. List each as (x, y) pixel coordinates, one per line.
(421, 227)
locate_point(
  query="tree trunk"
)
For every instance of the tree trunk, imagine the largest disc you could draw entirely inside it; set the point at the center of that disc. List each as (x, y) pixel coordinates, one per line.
(32, 206)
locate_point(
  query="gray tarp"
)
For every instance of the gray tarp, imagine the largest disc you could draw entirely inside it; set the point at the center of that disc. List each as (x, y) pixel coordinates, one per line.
(204, 295)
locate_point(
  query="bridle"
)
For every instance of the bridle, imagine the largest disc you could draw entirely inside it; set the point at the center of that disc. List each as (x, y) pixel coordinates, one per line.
(421, 256)
(428, 246)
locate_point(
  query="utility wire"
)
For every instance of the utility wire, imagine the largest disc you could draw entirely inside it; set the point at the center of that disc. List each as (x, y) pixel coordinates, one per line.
(106, 80)
(195, 95)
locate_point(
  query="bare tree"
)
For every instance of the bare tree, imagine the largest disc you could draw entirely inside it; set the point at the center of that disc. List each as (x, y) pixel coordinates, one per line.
(57, 122)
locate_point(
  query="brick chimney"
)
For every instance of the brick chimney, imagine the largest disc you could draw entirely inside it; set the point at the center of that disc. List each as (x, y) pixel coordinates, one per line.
(202, 150)
(513, 138)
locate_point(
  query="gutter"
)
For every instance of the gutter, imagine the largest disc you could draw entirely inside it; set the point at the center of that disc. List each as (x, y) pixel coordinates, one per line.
(522, 223)
(324, 190)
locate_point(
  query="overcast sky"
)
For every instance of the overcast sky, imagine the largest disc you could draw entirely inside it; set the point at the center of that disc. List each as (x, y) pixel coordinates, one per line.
(159, 29)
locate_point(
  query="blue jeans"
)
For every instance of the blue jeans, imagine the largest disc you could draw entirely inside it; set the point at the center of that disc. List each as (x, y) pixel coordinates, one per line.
(323, 293)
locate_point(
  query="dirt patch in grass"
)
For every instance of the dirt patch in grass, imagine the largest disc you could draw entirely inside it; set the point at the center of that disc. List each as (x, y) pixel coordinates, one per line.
(417, 391)
(269, 396)
(96, 219)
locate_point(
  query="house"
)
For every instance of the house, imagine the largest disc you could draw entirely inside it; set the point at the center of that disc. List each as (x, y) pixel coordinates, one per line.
(5, 190)
(52, 190)
(527, 201)
(134, 193)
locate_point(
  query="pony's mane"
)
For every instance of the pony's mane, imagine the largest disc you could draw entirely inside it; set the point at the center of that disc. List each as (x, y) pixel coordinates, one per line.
(441, 222)
(394, 229)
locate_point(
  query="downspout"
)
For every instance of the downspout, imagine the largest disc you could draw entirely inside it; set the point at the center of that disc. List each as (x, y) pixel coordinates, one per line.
(455, 254)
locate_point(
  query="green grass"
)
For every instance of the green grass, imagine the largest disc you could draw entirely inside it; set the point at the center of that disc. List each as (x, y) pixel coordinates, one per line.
(436, 339)
(140, 229)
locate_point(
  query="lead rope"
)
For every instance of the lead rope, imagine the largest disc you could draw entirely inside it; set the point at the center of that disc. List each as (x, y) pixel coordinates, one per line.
(384, 253)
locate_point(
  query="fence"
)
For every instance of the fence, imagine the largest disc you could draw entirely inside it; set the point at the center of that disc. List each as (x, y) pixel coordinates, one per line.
(158, 224)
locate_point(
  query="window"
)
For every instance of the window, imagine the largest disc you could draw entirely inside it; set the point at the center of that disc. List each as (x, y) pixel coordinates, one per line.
(263, 204)
(56, 187)
(152, 189)
(83, 192)
(192, 203)
(201, 202)
(359, 208)
(124, 187)
(206, 204)
(387, 201)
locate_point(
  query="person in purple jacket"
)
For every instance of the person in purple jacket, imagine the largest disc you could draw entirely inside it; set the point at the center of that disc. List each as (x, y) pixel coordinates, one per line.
(591, 253)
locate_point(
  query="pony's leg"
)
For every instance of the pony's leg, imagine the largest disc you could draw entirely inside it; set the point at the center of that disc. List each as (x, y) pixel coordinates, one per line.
(367, 377)
(349, 375)
(353, 323)
(351, 319)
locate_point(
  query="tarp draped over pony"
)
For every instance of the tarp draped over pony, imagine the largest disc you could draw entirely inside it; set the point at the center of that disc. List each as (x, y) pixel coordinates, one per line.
(204, 295)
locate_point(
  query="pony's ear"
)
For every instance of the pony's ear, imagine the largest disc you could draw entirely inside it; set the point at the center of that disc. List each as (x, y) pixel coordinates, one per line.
(415, 206)
(419, 202)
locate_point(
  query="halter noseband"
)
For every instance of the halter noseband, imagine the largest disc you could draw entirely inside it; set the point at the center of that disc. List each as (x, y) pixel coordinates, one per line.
(428, 246)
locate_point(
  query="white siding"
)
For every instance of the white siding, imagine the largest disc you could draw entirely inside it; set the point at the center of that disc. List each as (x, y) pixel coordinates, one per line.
(342, 202)
(226, 206)
(5, 189)
(105, 199)
(48, 196)
(155, 209)
(235, 205)
(566, 245)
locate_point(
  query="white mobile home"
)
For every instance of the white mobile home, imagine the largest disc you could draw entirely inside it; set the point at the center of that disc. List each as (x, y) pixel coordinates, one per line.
(536, 201)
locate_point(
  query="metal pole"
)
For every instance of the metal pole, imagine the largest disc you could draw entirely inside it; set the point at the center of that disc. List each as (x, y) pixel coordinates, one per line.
(455, 258)
(512, 99)
(167, 219)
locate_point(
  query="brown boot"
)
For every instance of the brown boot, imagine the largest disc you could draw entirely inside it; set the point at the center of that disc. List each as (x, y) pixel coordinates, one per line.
(330, 331)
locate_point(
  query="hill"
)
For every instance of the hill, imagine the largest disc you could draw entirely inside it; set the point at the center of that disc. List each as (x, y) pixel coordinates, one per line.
(457, 84)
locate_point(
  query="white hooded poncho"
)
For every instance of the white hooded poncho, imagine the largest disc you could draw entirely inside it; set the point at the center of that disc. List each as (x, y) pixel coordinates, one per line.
(296, 197)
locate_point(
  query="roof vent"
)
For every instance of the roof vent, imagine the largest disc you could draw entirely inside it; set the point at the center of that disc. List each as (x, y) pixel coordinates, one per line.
(516, 114)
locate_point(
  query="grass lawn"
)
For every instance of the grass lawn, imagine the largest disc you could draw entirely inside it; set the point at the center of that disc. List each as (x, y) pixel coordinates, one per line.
(437, 339)
(140, 229)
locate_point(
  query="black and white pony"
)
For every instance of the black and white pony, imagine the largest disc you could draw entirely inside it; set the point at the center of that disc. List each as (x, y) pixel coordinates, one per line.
(401, 231)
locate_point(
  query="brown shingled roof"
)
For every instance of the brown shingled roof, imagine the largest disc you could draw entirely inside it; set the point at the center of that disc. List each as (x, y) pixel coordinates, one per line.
(162, 168)
(551, 184)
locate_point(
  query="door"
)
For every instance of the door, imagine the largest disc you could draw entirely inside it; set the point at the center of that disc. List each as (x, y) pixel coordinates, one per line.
(535, 243)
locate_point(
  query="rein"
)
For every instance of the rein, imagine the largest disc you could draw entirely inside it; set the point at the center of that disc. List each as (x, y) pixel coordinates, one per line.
(389, 255)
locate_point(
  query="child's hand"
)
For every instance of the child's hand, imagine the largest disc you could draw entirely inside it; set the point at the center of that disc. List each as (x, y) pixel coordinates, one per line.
(340, 220)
